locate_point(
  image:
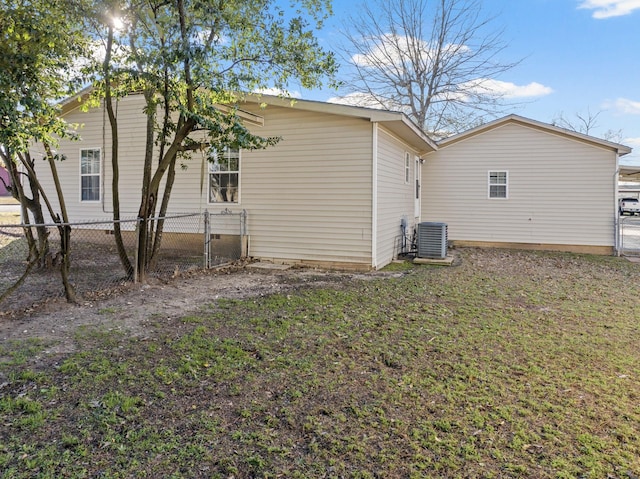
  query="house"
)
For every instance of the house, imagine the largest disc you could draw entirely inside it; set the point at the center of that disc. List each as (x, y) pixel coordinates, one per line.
(516, 182)
(345, 183)
(5, 179)
(332, 192)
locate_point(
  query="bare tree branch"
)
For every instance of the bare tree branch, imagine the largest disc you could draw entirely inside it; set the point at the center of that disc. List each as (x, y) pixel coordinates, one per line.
(583, 123)
(586, 123)
(433, 59)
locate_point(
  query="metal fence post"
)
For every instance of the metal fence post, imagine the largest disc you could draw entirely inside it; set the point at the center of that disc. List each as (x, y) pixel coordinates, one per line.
(207, 239)
(620, 237)
(135, 252)
(244, 243)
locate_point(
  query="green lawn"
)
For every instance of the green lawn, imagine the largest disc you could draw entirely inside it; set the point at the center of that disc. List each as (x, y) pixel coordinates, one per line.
(511, 364)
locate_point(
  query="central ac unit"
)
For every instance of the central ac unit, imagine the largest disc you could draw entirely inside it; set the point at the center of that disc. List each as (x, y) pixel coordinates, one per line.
(432, 240)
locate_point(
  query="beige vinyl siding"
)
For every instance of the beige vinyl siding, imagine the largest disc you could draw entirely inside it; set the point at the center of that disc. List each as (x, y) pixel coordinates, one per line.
(560, 190)
(131, 137)
(309, 197)
(90, 129)
(395, 197)
(95, 133)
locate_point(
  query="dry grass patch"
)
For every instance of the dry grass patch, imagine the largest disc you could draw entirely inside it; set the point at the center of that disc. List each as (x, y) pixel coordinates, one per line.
(512, 364)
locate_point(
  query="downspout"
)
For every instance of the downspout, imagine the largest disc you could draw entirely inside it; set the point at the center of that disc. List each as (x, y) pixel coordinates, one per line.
(374, 197)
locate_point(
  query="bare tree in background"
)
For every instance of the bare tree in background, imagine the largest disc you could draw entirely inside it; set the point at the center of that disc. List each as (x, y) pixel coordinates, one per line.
(582, 123)
(586, 123)
(436, 60)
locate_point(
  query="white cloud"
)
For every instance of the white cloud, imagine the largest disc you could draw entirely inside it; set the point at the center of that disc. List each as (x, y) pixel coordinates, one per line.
(497, 88)
(393, 53)
(481, 86)
(385, 51)
(389, 51)
(610, 8)
(508, 89)
(623, 106)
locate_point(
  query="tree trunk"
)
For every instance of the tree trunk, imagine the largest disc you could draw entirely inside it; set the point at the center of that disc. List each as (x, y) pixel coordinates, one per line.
(157, 240)
(151, 187)
(151, 183)
(39, 251)
(115, 182)
(147, 203)
(65, 231)
(35, 206)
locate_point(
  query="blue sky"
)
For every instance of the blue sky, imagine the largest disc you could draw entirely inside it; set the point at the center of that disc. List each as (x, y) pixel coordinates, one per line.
(577, 56)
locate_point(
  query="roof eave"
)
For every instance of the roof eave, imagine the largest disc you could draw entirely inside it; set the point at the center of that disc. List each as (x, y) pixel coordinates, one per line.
(75, 101)
(323, 107)
(409, 131)
(396, 122)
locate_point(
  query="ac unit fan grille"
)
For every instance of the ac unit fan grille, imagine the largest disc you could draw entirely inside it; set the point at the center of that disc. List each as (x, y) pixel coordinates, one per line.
(432, 240)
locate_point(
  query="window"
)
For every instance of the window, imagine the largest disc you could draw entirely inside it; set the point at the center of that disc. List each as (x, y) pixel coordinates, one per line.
(90, 175)
(224, 176)
(407, 166)
(498, 184)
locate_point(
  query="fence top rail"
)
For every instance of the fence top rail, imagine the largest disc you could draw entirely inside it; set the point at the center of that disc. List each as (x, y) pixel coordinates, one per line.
(102, 222)
(226, 212)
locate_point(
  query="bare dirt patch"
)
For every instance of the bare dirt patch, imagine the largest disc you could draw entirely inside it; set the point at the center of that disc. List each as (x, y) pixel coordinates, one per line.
(130, 308)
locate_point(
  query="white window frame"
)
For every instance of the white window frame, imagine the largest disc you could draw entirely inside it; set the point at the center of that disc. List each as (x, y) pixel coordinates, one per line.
(407, 168)
(92, 174)
(211, 169)
(498, 183)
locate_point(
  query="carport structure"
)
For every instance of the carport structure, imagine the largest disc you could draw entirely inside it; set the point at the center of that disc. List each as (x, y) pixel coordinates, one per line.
(629, 226)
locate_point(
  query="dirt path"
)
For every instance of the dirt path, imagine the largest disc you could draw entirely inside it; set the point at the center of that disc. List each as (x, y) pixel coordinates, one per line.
(132, 309)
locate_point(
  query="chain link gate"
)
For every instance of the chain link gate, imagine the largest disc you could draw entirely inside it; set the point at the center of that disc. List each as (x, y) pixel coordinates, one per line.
(630, 235)
(225, 236)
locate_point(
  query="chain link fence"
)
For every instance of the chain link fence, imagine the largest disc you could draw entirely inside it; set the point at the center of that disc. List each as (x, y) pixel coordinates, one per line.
(630, 235)
(189, 242)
